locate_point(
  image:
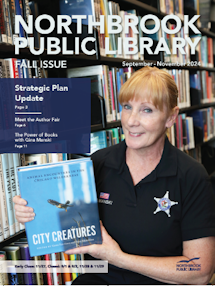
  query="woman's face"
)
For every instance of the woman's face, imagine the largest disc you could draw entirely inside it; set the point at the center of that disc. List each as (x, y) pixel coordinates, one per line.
(143, 124)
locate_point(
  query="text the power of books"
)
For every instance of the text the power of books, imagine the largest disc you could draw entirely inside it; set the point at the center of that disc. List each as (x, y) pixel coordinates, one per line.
(110, 25)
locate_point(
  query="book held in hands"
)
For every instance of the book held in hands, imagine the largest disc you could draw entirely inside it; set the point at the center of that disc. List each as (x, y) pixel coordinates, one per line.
(64, 200)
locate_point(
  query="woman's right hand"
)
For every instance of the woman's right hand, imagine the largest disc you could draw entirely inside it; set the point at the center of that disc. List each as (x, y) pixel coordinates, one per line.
(22, 212)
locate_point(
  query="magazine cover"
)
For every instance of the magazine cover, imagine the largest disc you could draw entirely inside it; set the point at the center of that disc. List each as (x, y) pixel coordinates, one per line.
(62, 66)
(64, 200)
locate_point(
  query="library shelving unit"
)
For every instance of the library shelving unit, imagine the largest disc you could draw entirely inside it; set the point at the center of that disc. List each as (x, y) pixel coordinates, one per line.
(83, 60)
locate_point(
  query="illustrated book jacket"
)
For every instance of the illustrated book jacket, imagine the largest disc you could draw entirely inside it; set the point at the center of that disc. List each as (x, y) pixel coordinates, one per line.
(64, 200)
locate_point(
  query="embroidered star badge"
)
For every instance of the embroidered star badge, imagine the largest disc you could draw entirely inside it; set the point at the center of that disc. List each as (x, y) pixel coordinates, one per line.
(164, 204)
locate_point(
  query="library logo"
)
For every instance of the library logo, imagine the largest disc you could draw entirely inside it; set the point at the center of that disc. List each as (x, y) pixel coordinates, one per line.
(164, 204)
(104, 199)
(188, 265)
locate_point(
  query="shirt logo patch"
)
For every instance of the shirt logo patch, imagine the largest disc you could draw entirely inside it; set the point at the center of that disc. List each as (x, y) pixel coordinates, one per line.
(104, 196)
(104, 199)
(164, 204)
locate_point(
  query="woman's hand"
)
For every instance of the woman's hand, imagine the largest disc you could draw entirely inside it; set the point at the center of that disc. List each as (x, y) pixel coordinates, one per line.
(22, 212)
(108, 250)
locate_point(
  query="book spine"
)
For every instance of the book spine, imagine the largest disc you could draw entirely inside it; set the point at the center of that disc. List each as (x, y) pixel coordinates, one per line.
(26, 9)
(26, 13)
(67, 277)
(10, 68)
(13, 185)
(49, 274)
(56, 276)
(3, 276)
(17, 163)
(3, 69)
(19, 12)
(12, 12)
(27, 276)
(1, 228)
(7, 22)
(2, 23)
(7, 186)
(110, 77)
(39, 276)
(109, 94)
(15, 255)
(26, 256)
(7, 69)
(74, 273)
(10, 22)
(106, 94)
(114, 80)
(15, 68)
(3, 205)
(12, 276)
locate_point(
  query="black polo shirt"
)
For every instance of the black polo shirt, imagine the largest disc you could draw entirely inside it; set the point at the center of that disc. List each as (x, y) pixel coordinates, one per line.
(174, 203)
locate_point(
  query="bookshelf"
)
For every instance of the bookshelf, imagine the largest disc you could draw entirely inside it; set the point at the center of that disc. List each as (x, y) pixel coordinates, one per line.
(12, 238)
(83, 60)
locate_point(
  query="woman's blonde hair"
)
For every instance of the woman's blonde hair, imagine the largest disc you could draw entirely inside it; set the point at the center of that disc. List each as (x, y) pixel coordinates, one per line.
(151, 84)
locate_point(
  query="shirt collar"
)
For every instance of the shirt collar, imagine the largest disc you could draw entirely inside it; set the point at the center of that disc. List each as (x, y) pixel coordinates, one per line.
(166, 167)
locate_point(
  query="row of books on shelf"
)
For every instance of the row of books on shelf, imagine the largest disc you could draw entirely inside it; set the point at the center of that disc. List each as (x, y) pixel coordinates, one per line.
(202, 87)
(187, 133)
(194, 87)
(106, 8)
(205, 8)
(19, 250)
(192, 129)
(9, 186)
(17, 68)
(8, 10)
(105, 138)
(205, 51)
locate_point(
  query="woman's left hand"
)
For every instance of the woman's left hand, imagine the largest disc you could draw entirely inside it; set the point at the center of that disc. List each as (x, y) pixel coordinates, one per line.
(109, 249)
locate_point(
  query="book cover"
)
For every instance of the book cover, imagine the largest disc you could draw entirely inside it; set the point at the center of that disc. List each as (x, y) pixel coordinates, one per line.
(64, 200)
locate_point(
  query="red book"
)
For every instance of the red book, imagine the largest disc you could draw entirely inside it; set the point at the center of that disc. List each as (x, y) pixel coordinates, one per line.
(14, 73)
(112, 95)
(49, 274)
(210, 52)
